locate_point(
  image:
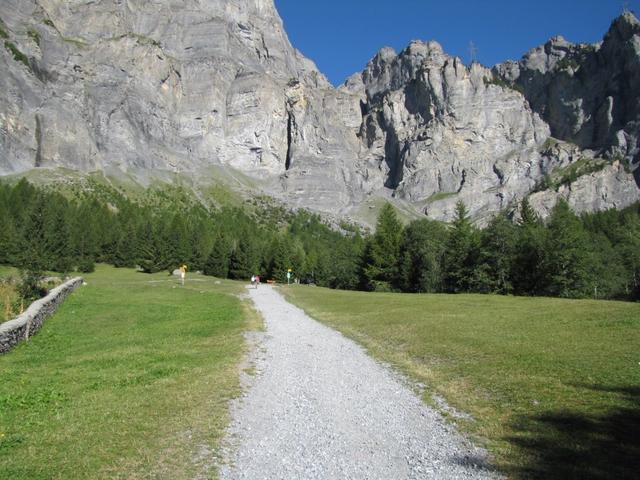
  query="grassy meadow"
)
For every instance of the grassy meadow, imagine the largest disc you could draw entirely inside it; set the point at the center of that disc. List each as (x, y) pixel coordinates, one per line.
(552, 386)
(131, 378)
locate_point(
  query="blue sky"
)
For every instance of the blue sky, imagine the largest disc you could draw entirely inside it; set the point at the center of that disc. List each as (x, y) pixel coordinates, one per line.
(342, 35)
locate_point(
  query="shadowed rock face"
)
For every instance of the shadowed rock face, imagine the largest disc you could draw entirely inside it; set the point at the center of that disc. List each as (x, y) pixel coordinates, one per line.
(182, 85)
(588, 94)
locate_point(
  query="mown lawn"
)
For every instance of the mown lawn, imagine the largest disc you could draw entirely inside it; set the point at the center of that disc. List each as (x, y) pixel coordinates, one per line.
(131, 378)
(552, 385)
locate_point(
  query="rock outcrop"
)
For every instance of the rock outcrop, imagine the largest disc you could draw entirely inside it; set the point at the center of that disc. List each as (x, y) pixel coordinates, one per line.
(148, 88)
(440, 132)
(588, 94)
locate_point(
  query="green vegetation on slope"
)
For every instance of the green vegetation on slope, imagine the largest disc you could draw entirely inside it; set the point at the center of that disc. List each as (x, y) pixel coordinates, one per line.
(17, 54)
(3, 31)
(553, 385)
(569, 174)
(159, 228)
(129, 379)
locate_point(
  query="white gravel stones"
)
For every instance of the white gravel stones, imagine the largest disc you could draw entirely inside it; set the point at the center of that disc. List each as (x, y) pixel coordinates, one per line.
(320, 408)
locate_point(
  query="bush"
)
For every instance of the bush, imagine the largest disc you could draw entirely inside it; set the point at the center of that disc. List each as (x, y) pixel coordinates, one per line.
(34, 35)
(29, 287)
(383, 287)
(86, 265)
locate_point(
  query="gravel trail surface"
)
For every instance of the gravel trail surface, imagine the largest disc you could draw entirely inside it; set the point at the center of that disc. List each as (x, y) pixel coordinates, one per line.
(319, 408)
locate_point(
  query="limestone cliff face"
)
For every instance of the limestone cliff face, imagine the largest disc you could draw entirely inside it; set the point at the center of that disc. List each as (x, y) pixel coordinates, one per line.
(139, 86)
(588, 94)
(437, 131)
(145, 84)
(145, 87)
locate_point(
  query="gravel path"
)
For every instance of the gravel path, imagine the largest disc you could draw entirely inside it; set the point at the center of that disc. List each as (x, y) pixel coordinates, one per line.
(320, 408)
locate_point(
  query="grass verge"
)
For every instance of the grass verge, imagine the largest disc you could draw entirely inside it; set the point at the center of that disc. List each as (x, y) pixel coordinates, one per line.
(9, 298)
(129, 379)
(552, 385)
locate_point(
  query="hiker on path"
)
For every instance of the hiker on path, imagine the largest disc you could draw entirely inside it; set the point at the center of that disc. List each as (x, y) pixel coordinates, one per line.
(254, 283)
(183, 272)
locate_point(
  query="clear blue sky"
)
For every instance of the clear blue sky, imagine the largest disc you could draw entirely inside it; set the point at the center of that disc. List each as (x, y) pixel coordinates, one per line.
(342, 35)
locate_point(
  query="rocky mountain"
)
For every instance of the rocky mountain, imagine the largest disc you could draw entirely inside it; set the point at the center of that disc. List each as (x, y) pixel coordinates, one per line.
(148, 89)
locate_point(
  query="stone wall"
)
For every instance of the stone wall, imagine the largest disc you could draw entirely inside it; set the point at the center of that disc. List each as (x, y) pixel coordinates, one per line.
(28, 323)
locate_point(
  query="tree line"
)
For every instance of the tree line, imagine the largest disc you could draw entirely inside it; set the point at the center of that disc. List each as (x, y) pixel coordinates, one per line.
(43, 230)
(595, 255)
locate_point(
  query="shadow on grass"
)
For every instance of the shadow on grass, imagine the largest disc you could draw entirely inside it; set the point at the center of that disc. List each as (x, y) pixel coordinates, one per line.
(570, 446)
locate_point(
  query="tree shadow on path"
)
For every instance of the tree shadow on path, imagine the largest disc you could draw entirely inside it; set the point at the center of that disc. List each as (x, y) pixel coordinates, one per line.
(569, 445)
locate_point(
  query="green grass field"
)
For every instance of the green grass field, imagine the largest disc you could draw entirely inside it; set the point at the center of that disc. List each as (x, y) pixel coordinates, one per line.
(131, 378)
(552, 386)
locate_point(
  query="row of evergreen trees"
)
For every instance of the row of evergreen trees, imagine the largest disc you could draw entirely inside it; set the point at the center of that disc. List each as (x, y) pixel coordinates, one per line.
(597, 255)
(44, 230)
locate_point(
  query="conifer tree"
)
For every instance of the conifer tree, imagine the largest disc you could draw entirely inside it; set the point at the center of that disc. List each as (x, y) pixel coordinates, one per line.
(462, 246)
(151, 248)
(567, 254)
(201, 241)
(280, 258)
(297, 257)
(21, 200)
(340, 265)
(421, 251)
(497, 256)
(57, 234)
(176, 238)
(217, 264)
(8, 237)
(84, 235)
(126, 244)
(242, 262)
(33, 255)
(382, 250)
(527, 272)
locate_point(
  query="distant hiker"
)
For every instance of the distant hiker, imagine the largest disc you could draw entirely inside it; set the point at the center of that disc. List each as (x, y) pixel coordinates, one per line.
(183, 272)
(254, 283)
(257, 280)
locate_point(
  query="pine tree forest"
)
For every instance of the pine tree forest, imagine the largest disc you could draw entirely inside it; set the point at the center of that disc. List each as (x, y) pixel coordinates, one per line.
(590, 256)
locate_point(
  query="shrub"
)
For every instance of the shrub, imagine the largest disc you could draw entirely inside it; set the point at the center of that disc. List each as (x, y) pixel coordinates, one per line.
(34, 35)
(29, 287)
(86, 265)
(496, 79)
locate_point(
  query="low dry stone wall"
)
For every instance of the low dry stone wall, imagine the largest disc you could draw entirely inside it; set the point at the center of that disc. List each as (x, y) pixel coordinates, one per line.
(29, 322)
